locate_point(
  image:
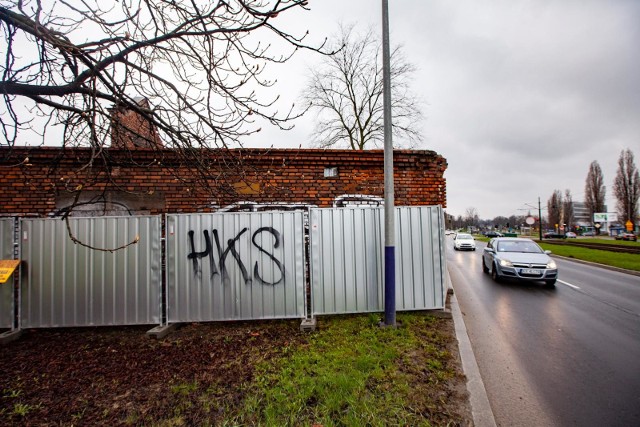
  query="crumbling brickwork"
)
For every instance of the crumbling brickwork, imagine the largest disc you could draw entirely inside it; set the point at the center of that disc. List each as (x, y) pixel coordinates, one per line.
(43, 181)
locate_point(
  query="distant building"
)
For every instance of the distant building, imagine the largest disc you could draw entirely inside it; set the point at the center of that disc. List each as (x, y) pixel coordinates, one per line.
(584, 219)
(581, 215)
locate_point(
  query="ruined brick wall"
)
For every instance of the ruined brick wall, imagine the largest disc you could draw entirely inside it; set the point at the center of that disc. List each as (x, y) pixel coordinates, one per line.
(130, 130)
(42, 181)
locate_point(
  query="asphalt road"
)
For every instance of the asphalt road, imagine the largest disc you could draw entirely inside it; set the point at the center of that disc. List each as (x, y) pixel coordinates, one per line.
(563, 357)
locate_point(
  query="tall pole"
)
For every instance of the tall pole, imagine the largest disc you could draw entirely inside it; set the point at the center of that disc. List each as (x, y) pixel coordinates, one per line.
(540, 217)
(389, 201)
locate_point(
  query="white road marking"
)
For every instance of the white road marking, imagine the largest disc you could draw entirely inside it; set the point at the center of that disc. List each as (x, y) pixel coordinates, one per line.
(569, 284)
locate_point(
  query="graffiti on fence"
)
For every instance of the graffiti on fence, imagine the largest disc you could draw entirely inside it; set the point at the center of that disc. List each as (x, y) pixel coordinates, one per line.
(221, 268)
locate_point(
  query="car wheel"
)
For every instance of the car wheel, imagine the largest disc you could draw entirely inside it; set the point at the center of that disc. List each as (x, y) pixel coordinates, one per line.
(551, 283)
(455, 248)
(484, 267)
(494, 273)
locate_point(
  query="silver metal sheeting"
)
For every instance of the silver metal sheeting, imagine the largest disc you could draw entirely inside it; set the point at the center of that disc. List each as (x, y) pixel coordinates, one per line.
(235, 266)
(67, 284)
(347, 259)
(221, 266)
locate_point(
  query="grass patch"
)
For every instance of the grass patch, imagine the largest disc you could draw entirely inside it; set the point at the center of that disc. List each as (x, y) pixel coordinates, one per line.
(352, 372)
(610, 242)
(615, 259)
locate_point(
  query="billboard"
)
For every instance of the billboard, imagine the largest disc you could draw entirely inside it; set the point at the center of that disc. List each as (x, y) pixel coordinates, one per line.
(605, 217)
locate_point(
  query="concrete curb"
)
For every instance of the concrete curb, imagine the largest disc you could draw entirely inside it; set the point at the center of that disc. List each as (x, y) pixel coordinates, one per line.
(480, 407)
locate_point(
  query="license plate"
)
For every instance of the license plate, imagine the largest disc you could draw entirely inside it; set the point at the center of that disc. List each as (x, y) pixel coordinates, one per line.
(530, 271)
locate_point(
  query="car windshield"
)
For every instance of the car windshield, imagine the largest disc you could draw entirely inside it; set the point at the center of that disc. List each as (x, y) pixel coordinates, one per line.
(519, 246)
(464, 236)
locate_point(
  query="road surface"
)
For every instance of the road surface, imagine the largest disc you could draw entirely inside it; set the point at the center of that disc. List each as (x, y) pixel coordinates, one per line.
(563, 357)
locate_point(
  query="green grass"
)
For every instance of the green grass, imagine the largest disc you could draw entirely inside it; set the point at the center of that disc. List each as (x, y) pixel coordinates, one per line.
(350, 373)
(610, 242)
(615, 259)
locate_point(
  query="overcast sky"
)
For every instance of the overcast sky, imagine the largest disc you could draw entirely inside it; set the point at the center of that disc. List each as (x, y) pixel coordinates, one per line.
(519, 96)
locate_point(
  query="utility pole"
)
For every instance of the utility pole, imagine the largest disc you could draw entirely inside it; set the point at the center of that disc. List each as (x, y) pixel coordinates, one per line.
(540, 218)
(389, 199)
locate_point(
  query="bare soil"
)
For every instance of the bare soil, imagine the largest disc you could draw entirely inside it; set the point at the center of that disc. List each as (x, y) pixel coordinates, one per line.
(198, 375)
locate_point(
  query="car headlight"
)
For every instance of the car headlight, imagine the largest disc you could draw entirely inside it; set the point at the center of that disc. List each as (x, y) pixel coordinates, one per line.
(551, 264)
(505, 263)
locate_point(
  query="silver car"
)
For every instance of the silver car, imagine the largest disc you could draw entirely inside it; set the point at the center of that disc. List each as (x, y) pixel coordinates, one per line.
(518, 258)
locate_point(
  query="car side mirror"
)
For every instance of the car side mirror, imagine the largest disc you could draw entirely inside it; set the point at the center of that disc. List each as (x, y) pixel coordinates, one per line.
(547, 252)
(491, 250)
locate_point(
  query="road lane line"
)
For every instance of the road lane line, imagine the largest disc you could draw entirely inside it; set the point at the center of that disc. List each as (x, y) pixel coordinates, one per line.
(568, 284)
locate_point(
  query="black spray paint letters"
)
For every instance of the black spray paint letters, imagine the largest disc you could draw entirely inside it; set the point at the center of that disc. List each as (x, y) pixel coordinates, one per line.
(221, 269)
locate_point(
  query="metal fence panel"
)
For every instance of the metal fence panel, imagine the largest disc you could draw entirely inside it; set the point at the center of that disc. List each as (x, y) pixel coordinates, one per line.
(6, 289)
(235, 266)
(420, 258)
(67, 284)
(347, 259)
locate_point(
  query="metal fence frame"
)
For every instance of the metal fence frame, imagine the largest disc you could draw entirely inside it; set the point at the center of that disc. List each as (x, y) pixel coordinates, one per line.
(7, 290)
(67, 284)
(347, 252)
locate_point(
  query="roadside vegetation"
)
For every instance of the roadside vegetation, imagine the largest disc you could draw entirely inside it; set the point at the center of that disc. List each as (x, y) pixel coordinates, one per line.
(349, 372)
(356, 373)
(614, 259)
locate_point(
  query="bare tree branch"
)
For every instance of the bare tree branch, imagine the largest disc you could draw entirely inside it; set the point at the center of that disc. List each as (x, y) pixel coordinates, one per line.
(199, 64)
(346, 91)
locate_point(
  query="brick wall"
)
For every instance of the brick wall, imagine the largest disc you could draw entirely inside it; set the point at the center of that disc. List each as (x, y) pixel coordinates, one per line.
(44, 180)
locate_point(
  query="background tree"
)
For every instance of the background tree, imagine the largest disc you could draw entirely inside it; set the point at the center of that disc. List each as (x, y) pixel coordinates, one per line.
(346, 91)
(594, 190)
(568, 216)
(192, 71)
(554, 208)
(626, 187)
(471, 217)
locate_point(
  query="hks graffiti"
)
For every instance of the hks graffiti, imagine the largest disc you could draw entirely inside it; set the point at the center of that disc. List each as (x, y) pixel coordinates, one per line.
(221, 269)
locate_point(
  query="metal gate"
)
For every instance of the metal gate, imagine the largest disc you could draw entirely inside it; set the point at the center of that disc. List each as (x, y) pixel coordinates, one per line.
(7, 226)
(347, 268)
(235, 266)
(67, 284)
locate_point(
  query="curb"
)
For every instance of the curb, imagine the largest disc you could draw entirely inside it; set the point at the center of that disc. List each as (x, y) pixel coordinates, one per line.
(480, 407)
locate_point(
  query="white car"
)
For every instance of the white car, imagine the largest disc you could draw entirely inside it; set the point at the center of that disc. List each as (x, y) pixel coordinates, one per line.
(464, 241)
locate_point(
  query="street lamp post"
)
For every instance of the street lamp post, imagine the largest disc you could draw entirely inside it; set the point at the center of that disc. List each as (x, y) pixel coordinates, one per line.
(389, 200)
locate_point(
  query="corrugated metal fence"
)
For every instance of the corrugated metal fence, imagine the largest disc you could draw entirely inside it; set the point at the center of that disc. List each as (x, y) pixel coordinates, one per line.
(66, 284)
(347, 259)
(221, 266)
(6, 289)
(235, 266)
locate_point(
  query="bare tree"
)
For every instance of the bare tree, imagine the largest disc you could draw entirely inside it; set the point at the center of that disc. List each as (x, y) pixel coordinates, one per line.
(169, 74)
(346, 91)
(554, 208)
(192, 71)
(568, 216)
(471, 216)
(626, 187)
(594, 190)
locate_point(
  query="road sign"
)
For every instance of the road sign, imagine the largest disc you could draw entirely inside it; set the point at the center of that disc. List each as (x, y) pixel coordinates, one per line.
(629, 225)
